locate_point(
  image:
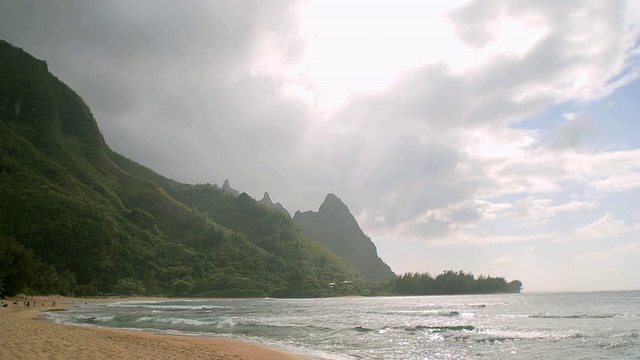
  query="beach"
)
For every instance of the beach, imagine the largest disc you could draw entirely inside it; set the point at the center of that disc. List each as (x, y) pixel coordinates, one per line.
(26, 334)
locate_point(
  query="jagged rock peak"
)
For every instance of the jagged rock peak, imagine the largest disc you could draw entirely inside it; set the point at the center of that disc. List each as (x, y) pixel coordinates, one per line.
(228, 189)
(333, 203)
(266, 201)
(335, 227)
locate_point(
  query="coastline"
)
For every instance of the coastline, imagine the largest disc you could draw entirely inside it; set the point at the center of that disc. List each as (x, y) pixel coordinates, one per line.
(26, 334)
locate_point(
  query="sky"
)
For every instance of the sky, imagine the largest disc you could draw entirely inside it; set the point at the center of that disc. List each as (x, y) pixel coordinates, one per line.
(496, 137)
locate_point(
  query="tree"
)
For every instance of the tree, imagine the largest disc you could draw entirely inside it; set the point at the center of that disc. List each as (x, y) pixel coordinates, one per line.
(514, 286)
(181, 287)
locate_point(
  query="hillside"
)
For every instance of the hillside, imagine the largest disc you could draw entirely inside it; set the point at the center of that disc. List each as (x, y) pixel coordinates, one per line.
(335, 227)
(76, 217)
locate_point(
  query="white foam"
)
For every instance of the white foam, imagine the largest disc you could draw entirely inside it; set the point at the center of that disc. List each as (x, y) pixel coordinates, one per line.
(104, 318)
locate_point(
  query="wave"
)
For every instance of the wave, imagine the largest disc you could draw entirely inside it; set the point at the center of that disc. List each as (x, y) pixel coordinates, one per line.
(147, 318)
(439, 329)
(226, 323)
(441, 313)
(104, 318)
(499, 335)
(362, 329)
(580, 316)
(164, 307)
(433, 329)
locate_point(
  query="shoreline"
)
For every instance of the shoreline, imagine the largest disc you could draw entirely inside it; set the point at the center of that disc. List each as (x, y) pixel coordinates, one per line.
(26, 333)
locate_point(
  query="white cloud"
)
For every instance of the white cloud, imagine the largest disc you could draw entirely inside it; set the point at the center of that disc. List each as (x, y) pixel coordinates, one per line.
(500, 260)
(617, 183)
(536, 211)
(630, 250)
(491, 211)
(586, 53)
(461, 238)
(606, 227)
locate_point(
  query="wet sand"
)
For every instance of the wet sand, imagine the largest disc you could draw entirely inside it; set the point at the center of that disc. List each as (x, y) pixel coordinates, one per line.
(26, 334)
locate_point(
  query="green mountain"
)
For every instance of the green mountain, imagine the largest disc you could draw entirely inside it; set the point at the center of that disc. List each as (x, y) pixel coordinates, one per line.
(335, 227)
(76, 217)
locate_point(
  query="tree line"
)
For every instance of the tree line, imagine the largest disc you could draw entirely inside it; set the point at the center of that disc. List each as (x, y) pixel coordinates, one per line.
(451, 283)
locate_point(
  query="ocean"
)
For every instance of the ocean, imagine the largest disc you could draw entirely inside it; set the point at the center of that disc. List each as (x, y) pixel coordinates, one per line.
(597, 325)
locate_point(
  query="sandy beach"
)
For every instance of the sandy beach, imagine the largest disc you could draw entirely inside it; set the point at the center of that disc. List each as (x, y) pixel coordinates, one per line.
(26, 334)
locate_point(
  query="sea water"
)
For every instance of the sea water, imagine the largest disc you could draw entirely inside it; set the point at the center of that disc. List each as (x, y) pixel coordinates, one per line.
(602, 325)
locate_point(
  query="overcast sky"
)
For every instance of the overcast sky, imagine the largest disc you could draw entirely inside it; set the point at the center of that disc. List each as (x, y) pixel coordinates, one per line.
(497, 137)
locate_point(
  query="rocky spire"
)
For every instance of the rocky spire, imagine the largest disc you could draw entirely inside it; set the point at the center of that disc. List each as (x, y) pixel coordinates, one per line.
(229, 190)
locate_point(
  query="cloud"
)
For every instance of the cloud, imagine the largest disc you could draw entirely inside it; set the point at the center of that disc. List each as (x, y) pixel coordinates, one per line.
(617, 253)
(177, 88)
(544, 171)
(537, 211)
(500, 260)
(573, 133)
(462, 238)
(606, 227)
(579, 57)
(617, 183)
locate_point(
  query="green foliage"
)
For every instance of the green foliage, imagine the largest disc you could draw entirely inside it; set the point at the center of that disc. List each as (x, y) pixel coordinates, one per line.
(17, 266)
(514, 286)
(270, 230)
(22, 272)
(128, 286)
(181, 287)
(451, 283)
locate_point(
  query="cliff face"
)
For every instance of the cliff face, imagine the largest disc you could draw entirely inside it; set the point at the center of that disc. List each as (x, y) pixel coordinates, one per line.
(335, 227)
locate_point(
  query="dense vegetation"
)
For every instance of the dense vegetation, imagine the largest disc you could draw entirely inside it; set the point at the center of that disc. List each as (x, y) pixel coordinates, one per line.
(334, 226)
(451, 282)
(78, 218)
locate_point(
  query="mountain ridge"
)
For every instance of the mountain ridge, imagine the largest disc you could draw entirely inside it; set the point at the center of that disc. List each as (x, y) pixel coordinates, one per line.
(267, 202)
(334, 226)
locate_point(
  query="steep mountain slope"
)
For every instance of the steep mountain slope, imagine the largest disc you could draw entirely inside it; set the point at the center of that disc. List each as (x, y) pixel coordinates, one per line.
(85, 219)
(335, 227)
(268, 229)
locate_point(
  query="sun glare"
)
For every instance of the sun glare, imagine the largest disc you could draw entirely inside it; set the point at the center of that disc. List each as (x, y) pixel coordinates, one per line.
(360, 46)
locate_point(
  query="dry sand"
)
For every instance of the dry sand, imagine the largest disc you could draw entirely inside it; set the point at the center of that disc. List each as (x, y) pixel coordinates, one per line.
(26, 334)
